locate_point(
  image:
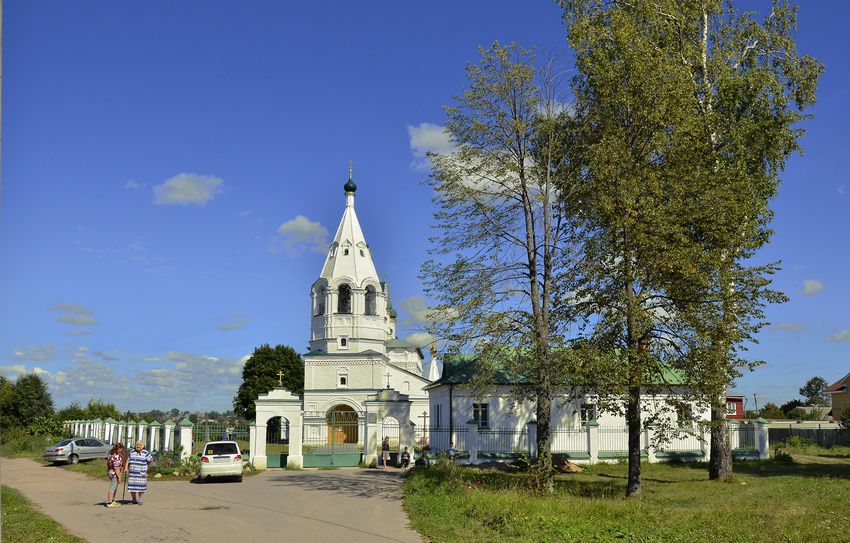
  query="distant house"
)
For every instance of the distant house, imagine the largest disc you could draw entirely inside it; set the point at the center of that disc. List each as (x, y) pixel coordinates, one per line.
(735, 406)
(839, 391)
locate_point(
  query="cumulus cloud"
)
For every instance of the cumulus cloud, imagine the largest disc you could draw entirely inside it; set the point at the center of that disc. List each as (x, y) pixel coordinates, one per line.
(417, 310)
(840, 336)
(187, 189)
(428, 138)
(812, 287)
(78, 320)
(39, 353)
(420, 339)
(793, 327)
(300, 235)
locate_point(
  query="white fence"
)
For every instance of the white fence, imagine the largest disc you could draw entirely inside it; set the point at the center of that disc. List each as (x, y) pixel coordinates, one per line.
(592, 443)
(165, 437)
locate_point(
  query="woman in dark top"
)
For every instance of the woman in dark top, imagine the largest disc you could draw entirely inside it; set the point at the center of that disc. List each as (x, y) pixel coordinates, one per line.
(385, 450)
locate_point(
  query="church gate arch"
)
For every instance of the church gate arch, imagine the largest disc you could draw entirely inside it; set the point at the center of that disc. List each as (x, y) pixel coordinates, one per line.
(334, 437)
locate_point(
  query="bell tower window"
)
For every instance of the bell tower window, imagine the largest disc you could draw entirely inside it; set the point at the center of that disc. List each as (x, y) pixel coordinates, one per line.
(320, 301)
(371, 300)
(344, 305)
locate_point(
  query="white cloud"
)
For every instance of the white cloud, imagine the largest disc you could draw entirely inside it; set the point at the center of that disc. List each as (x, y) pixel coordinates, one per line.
(840, 336)
(300, 235)
(72, 308)
(428, 138)
(417, 309)
(40, 353)
(812, 287)
(78, 320)
(105, 356)
(133, 185)
(420, 339)
(186, 189)
(793, 327)
(234, 321)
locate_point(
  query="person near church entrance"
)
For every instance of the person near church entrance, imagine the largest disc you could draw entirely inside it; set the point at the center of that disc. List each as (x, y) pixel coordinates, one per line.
(385, 450)
(405, 458)
(451, 452)
(423, 461)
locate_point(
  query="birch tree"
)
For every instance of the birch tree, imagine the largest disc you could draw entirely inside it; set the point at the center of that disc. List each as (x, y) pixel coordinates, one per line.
(502, 259)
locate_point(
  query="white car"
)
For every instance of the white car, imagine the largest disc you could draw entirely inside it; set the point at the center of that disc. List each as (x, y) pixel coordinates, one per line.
(221, 459)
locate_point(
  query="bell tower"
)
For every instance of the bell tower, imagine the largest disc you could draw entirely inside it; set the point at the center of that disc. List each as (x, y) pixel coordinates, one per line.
(351, 310)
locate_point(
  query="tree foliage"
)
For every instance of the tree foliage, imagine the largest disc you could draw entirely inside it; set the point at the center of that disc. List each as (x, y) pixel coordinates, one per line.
(688, 112)
(813, 391)
(502, 257)
(260, 375)
(24, 400)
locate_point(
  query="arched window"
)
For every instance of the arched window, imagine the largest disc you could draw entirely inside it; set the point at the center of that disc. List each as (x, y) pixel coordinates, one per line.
(344, 304)
(371, 301)
(320, 301)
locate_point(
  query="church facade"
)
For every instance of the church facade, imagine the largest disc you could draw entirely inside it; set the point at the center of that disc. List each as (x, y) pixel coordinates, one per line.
(354, 350)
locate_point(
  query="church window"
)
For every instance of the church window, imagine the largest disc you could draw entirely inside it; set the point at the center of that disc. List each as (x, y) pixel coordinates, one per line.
(343, 343)
(320, 301)
(405, 387)
(344, 304)
(371, 301)
(480, 414)
(345, 251)
(362, 252)
(343, 380)
(435, 420)
(588, 413)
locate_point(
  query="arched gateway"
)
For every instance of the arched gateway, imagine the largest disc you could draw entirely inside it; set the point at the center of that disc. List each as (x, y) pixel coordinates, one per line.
(334, 437)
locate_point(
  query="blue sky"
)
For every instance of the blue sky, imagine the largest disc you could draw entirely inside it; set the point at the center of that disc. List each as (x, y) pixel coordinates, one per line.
(172, 171)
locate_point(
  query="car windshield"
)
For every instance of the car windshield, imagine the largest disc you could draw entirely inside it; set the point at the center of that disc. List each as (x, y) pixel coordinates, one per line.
(221, 448)
(63, 443)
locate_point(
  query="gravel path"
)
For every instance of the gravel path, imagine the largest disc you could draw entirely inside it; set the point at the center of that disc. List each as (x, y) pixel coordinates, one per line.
(339, 506)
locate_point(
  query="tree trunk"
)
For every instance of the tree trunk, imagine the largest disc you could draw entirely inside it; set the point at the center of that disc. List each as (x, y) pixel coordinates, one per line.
(720, 465)
(544, 443)
(633, 420)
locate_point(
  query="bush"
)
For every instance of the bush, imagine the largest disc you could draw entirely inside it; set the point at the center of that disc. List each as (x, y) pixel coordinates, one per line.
(18, 442)
(844, 419)
(45, 426)
(799, 442)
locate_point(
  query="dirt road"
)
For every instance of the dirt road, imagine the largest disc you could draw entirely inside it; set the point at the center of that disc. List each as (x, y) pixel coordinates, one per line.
(338, 506)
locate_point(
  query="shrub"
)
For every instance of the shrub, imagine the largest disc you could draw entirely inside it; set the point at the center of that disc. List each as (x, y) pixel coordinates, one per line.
(844, 419)
(45, 426)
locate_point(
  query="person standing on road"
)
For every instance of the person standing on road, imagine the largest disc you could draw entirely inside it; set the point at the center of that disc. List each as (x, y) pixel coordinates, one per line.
(385, 450)
(137, 476)
(114, 469)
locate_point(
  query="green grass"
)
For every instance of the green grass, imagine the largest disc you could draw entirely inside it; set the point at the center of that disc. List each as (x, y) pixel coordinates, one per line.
(22, 524)
(767, 502)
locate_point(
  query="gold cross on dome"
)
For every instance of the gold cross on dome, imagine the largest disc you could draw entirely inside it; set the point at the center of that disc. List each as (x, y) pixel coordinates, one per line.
(280, 375)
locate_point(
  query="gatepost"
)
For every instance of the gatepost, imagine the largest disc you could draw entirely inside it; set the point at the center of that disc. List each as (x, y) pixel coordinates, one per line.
(279, 402)
(650, 446)
(386, 403)
(155, 429)
(593, 440)
(472, 440)
(168, 435)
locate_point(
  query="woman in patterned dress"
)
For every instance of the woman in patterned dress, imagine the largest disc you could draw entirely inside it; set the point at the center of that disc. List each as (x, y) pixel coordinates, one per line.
(137, 478)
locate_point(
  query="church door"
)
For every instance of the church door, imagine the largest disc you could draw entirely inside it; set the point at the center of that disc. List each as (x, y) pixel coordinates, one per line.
(333, 438)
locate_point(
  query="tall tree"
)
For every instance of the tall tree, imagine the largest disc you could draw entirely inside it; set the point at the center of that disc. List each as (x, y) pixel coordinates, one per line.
(501, 256)
(98, 409)
(260, 375)
(30, 399)
(690, 111)
(813, 391)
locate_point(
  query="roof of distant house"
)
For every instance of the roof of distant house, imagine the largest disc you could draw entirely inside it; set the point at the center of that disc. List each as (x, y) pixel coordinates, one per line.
(838, 386)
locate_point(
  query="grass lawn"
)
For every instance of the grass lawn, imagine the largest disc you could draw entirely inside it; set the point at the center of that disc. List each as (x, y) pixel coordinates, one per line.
(22, 524)
(769, 501)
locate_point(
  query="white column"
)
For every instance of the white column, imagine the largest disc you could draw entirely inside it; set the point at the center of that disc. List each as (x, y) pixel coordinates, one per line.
(472, 441)
(593, 440)
(168, 441)
(295, 458)
(763, 438)
(259, 450)
(185, 431)
(532, 439)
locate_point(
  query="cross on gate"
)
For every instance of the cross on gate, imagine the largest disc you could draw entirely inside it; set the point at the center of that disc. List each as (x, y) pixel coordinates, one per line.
(280, 375)
(424, 419)
(388, 379)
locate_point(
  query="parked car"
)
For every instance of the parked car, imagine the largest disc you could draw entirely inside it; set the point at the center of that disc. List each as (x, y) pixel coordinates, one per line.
(72, 451)
(221, 459)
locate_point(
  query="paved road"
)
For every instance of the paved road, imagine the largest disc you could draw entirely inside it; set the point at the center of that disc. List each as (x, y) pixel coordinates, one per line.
(337, 506)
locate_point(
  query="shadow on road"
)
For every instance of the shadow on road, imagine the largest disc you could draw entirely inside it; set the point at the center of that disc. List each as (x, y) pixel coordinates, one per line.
(364, 483)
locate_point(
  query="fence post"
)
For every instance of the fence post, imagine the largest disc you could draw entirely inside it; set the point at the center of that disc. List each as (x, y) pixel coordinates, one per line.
(705, 445)
(650, 448)
(472, 440)
(532, 438)
(763, 438)
(185, 427)
(593, 440)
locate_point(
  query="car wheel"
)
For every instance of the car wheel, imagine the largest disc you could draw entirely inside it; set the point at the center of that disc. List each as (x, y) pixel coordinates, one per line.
(73, 459)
